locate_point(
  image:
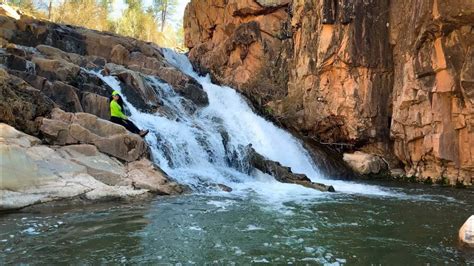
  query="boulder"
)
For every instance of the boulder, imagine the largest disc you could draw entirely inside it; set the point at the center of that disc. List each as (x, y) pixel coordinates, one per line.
(56, 69)
(466, 233)
(65, 96)
(144, 175)
(137, 91)
(119, 55)
(18, 63)
(67, 128)
(33, 173)
(365, 164)
(35, 81)
(282, 173)
(185, 85)
(95, 104)
(20, 104)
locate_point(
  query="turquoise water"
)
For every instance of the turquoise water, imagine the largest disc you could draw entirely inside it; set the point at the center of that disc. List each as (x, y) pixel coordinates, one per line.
(417, 226)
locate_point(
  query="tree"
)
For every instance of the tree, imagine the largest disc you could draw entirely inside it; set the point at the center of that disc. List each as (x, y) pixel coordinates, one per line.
(24, 5)
(90, 14)
(134, 4)
(163, 10)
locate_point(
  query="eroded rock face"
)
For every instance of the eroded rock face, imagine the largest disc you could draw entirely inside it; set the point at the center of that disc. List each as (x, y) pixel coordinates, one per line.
(33, 173)
(392, 78)
(20, 104)
(433, 100)
(241, 43)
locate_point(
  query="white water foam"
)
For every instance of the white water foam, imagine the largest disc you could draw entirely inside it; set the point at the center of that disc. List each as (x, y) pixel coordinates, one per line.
(189, 146)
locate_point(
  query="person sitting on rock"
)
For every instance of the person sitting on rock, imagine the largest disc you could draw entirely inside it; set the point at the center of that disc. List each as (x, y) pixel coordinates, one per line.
(118, 117)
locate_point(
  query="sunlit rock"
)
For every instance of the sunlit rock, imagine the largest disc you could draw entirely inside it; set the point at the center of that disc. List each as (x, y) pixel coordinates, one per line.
(466, 233)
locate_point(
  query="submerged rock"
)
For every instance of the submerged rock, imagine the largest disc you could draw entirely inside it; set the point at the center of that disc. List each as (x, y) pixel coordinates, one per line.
(33, 173)
(466, 233)
(282, 173)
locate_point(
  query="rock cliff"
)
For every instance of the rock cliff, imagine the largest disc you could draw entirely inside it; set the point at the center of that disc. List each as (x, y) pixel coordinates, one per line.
(389, 78)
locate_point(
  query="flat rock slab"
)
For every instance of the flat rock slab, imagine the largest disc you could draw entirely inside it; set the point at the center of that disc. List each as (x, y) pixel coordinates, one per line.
(33, 173)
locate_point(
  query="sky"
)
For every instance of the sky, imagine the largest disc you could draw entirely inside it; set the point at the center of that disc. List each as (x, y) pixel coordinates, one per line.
(119, 6)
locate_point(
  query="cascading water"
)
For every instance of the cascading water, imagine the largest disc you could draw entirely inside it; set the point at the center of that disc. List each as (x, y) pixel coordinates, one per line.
(205, 147)
(261, 221)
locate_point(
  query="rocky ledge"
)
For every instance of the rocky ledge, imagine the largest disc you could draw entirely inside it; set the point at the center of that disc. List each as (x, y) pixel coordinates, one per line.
(56, 140)
(33, 173)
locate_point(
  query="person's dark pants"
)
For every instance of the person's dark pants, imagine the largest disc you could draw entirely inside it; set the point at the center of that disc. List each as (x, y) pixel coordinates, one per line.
(129, 125)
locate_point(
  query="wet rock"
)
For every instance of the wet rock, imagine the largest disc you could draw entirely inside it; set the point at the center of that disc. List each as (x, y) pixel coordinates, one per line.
(68, 128)
(365, 164)
(35, 81)
(20, 64)
(224, 188)
(20, 104)
(137, 90)
(185, 85)
(328, 161)
(281, 173)
(466, 233)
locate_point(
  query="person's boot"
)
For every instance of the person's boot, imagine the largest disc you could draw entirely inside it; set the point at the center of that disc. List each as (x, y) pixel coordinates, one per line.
(143, 133)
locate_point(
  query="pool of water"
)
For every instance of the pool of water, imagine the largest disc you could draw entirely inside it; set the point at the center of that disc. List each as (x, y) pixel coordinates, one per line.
(410, 225)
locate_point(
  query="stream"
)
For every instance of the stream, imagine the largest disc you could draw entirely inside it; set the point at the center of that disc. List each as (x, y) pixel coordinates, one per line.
(417, 226)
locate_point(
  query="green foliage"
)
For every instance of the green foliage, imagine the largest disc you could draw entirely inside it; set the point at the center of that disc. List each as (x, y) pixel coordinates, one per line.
(90, 14)
(149, 24)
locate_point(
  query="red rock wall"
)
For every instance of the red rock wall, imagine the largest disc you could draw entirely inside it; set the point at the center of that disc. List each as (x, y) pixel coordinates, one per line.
(433, 93)
(242, 43)
(395, 75)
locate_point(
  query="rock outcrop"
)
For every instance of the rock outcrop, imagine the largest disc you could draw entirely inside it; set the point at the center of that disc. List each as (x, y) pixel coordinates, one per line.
(50, 89)
(33, 173)
(389, 78)
(82, 128)
(58, 60)
(433, 93)
(282, 173)
(21, 105)
(241, 43)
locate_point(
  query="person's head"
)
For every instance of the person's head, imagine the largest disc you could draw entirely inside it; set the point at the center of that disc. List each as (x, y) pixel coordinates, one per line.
(115, 95)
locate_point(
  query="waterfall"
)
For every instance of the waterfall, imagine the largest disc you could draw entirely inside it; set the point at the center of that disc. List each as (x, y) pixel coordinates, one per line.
(202, 147)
